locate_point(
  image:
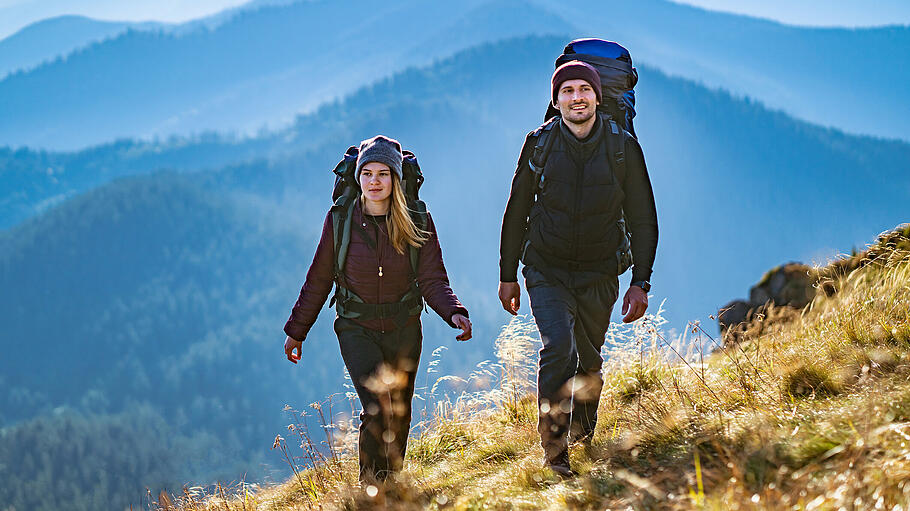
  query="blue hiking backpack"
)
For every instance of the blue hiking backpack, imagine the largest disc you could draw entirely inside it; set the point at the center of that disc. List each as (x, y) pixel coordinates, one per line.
(617, 77)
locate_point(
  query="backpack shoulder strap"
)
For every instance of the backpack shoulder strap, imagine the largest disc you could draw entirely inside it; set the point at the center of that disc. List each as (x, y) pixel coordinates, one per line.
(616, 142)
(418, 211)
(543, 141)
(542, 138)
(342, 217)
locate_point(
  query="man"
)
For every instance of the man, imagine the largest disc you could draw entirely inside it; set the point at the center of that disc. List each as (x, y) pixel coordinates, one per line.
(570, 239)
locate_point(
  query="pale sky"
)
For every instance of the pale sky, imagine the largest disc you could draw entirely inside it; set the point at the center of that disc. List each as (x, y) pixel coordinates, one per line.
(15, 14)
(825, 13)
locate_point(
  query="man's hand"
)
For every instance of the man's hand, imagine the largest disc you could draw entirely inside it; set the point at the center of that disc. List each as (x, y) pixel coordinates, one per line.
(290, 345)
(634, 304)
(510, 297)
(464, 324)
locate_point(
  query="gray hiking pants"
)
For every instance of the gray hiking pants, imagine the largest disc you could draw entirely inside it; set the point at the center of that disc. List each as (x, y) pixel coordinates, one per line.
(386, 417)
(573, 324)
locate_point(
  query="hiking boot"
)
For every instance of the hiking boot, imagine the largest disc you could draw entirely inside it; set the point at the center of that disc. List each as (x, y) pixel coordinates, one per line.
(559, 464)
(563, 471)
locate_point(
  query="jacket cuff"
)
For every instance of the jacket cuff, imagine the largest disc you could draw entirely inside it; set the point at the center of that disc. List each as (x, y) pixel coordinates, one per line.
(457, 310)
(640, 274)
(508, 275)
(295, 332)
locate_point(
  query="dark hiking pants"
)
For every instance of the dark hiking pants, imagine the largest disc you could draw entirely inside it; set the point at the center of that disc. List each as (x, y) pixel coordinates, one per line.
(383, 367)
(573, 324)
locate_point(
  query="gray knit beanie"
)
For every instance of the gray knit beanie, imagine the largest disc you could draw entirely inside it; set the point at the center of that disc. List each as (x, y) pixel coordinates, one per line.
(380, 149)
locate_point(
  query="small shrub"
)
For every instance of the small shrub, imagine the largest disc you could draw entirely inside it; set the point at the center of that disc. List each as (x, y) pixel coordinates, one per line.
(497, 452)
(813, 448)
(522, 412)
(810, 381)
(447, 438)
(602, 483)
(636, 384)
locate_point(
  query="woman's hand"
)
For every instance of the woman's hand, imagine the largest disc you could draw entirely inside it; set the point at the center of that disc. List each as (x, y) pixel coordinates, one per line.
(464, 324)
(290, 345)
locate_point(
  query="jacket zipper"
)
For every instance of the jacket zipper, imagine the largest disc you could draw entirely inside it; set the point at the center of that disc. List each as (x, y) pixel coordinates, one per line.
(376, 231)
(578, 180)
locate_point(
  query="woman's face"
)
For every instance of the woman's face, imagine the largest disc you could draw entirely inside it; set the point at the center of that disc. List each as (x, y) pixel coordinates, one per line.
(376, 181)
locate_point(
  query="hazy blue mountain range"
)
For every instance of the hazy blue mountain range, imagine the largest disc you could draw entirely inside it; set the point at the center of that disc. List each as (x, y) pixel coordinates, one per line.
(155, 293)
(32, 180)
(262, 66)
(265, 65)
(55, 37)
(168, 290)
(18, 14)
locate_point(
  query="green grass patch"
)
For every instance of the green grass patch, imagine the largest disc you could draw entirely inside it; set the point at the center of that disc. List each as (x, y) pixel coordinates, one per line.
(810, 380)
(496, 453)
(601, 482)
(813, 448)
(522, 412)
(446, 438)
(636, 383)
(899, 410)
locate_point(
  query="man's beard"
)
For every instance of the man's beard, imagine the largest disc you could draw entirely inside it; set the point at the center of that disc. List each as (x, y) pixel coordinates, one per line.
(587, 118)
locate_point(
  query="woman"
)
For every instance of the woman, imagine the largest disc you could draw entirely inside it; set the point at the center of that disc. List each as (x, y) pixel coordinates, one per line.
(380, 349)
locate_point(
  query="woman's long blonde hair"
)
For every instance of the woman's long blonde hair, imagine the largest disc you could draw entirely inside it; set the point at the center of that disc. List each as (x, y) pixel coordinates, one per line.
(402, 230)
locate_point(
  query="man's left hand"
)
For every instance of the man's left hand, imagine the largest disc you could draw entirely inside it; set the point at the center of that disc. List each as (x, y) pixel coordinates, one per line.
(464, 324)
(634, 304)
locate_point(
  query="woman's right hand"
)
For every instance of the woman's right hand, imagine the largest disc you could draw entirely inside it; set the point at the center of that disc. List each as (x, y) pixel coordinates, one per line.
(464, 324)
(290, 345)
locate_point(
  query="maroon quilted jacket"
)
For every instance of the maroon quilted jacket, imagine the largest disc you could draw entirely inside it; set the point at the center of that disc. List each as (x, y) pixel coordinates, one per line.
(362, 275)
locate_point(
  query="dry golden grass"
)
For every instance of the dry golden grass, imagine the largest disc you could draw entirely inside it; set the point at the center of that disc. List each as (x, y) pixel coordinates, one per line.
(811, 414)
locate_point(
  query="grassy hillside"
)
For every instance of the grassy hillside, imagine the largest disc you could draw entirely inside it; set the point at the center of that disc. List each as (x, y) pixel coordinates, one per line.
(813, 413)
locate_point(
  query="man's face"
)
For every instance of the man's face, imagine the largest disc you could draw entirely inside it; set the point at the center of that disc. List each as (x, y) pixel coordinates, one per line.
(576, 101)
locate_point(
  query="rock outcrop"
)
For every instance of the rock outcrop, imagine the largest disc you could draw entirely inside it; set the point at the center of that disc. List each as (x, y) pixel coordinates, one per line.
(784, 291)
(790, 286)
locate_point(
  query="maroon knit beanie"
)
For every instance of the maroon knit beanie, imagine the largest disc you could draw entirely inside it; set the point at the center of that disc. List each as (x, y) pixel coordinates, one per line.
(576, 70)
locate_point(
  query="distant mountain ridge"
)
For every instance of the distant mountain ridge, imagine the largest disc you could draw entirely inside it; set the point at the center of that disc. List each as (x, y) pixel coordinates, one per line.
(57, 36)
(54, 38)
(264, 66)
